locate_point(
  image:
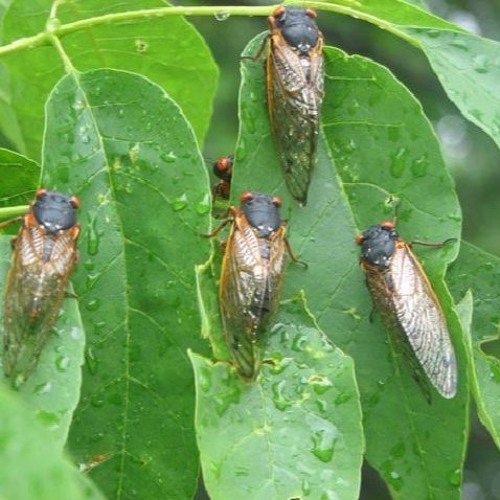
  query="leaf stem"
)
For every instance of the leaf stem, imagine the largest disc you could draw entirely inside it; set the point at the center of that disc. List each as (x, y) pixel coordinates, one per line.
(346, 7)
(11, 212)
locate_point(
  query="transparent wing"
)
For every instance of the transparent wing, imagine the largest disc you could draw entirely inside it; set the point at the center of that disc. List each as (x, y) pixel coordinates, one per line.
(421, 318)
(36, 283)
(295, 93)
(250, 287)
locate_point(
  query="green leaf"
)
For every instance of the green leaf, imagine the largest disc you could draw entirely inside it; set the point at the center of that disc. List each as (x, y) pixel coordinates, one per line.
(53, 390)
(8, 121)
(32, 466)
(468, 70)
(119, 143)
(295, 432)
(384, 149)
(167, 50)
(465, 64)
(479, 272)
(19, 176)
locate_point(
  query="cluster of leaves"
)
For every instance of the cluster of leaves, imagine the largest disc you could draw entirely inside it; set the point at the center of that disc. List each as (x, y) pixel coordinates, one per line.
(110, 103)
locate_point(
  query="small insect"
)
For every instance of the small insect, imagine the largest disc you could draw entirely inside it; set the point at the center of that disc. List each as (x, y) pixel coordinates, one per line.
(223, 169)
(251, 275)
(42, 262)
(410, 309)
(294, 86)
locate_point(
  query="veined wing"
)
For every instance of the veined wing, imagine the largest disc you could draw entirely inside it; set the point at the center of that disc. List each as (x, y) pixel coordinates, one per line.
(40, 270)
(421, 318)
(242, 293)
(295, 93)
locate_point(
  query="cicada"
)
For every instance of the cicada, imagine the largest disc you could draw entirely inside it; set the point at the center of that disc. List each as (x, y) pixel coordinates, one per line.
(251, 276)
(294, 85)
(409, 307)
(223, 169)
(43, 259)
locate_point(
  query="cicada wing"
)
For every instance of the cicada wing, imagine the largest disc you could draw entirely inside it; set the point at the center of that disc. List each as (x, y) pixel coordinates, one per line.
(421, 318)
(295, 94)
(37, 280)
(276, 269)
(242, 288)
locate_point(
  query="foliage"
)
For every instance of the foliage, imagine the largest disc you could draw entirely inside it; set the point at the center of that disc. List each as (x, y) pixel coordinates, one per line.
(110, 103)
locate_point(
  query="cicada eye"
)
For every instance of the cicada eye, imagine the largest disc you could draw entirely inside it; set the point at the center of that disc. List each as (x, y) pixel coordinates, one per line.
(311, 13)
(75, 202)
(277, 201)
(359, 239)
(278, 11)
(40, 192)
(246, 196)
(387, 225)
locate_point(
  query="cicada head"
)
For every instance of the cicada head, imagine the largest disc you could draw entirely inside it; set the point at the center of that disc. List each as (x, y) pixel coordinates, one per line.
(223, 168)
(378, 244)
(298, 27)
(262, 212)
(55, 211)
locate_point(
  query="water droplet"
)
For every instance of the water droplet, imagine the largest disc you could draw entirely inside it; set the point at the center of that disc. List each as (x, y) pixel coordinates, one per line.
(49, 419)
(62, 363)
(324, 438)
(342, 398)
(320, 384)
(97, 401)
(299, 342)
(481, 64)
(91, 361)
(203, 206)
(455, 477)
(75, 333)
(180, 203)
(42, 389)
(169, 157)
(278, 398)
(419, 166)
(91, 280)
(221, 15)
(306, 487)
(133, 152)
(205, 379)
(92, 238)
(241, 152)
(93, 304)
(398, 162)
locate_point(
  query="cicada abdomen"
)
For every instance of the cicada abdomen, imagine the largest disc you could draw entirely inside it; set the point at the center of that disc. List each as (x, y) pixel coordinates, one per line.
(409, 307)
(294, 83)
(251, 276)
(43, 259)
(223, 169)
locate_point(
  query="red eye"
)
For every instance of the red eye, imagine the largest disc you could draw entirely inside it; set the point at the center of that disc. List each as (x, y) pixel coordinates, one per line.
(387, 225)
(40, 192)
(277, 201)
(75, 202)
(359, 239)
(278, 11)
(311, 13)
(246, 196)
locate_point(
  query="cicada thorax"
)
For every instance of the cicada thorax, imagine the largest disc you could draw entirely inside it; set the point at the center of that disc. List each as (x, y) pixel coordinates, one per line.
(251, 277)
(294, 84)
(409, 308)
(43, 259)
